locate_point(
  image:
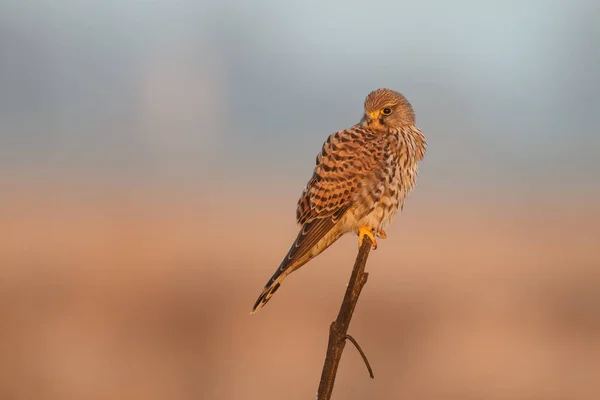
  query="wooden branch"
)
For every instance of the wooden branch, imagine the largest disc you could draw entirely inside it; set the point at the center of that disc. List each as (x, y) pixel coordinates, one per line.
(338, 330)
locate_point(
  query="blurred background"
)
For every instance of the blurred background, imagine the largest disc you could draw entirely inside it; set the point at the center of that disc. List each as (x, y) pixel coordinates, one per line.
(151, 157)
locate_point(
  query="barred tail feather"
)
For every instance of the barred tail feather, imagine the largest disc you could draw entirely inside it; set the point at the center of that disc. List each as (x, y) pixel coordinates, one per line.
(313, 238)
(268, 292)
(274, 283)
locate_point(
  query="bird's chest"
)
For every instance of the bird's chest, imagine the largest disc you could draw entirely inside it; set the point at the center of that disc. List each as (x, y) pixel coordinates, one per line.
(400, 172)
(383, 194)
(392, 193)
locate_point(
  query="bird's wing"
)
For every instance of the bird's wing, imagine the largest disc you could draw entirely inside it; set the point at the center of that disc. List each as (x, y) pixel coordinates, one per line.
(310, 234)
(345, 162)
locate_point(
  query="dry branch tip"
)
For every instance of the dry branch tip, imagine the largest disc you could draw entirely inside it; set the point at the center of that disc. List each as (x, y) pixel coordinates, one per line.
(362, 354)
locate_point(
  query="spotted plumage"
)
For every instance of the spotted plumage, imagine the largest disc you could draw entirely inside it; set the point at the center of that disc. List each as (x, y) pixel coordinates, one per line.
(362, 176)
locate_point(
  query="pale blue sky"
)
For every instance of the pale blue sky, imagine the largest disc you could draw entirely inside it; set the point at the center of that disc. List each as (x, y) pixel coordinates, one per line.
(506, 92)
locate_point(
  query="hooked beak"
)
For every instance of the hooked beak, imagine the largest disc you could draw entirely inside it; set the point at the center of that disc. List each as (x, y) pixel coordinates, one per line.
(372, 116)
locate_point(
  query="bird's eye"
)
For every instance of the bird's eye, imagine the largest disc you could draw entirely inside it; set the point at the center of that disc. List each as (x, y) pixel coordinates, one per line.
(386, 111)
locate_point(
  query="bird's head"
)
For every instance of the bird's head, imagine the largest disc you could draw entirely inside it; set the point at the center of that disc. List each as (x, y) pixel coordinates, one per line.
(385, 108)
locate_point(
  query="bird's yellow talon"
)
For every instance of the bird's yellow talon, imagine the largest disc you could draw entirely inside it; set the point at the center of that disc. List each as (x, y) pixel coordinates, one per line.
(366, 231)
(381, 234)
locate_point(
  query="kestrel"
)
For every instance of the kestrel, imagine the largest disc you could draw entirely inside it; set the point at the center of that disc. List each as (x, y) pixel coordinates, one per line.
(362, 177)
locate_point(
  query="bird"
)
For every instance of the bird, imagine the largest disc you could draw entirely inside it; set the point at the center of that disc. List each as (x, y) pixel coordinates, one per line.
(361, 179)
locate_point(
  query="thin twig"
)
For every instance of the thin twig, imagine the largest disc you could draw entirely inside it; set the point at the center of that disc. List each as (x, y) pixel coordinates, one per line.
(338, 330)
(362, 354)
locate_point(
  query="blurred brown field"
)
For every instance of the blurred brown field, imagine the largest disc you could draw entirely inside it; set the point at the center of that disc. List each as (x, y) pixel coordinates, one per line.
(145, 293)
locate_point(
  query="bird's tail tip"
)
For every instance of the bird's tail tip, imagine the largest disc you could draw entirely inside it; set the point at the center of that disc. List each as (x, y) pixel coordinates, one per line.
(265, 296)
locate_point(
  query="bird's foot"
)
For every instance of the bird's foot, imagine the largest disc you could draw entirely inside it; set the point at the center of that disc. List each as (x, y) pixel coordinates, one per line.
(366, 231)
(381, 234)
